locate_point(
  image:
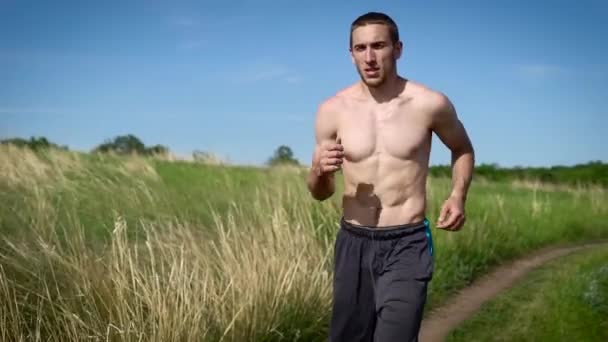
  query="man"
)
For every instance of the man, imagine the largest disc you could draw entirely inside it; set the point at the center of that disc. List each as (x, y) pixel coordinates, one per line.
(378, 132)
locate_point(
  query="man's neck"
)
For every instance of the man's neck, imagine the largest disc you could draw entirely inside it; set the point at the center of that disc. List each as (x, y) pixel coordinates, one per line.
(391, 88)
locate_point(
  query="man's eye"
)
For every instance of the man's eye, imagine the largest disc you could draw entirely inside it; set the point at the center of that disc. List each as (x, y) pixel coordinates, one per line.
(359, 48)
(376, 46)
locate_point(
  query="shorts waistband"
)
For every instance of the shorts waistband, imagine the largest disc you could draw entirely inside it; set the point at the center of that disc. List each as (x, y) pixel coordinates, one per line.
(384, 232)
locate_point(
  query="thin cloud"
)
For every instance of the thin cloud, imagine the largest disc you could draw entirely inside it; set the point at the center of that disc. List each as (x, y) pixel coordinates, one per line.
(32, 110)
(540, 70)
(275, 118)
(293, 79)
(298, 118)
(290, 118)
(183, 21)
(263, 73)
(594, 72)
(192, 44)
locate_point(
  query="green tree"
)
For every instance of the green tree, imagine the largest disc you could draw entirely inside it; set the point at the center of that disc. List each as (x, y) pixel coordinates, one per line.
(157, 149)
(123, 144)
(129, 144)
(283, 155)
(34, 143)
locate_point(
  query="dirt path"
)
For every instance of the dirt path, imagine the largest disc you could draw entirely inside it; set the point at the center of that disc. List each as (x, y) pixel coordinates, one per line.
(464, 304)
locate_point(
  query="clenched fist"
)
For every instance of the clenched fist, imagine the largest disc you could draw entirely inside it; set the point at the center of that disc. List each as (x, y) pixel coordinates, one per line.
(328, 157)
(452, 215)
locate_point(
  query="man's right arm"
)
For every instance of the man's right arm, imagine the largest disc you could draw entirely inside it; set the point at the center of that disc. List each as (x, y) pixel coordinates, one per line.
(321, 186)
(327, 156)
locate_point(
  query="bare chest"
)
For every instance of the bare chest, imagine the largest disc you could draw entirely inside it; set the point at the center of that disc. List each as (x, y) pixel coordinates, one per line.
(396, 131)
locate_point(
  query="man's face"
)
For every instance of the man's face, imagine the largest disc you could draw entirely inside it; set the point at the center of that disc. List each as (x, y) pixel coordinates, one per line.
(374, 54)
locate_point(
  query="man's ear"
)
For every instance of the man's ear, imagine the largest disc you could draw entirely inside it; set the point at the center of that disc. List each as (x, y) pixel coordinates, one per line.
(398, 50)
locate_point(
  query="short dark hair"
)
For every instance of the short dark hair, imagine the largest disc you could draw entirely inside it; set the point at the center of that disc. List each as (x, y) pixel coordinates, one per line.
(375, 18)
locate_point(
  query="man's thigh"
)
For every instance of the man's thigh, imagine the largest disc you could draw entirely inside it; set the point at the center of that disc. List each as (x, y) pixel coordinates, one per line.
(402, 289)
(399, 312)
(353, 312)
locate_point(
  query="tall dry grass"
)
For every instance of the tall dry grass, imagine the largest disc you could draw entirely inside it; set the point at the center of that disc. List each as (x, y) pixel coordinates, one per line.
(176, 283)
(252, 275)
(20, 166)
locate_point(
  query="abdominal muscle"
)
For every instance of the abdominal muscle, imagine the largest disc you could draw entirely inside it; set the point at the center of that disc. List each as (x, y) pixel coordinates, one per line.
(382, 191)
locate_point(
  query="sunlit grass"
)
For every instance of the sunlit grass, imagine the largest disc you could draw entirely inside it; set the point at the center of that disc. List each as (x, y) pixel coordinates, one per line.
(128, 249)
(566, 300)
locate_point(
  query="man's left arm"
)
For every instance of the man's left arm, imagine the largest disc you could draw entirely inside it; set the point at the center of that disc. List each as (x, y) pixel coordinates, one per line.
(451, 132)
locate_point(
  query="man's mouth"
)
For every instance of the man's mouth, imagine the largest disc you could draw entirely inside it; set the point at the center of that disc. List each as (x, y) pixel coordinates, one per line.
(371, 71)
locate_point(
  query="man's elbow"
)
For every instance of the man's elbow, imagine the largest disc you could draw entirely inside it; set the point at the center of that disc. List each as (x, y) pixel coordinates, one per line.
(320, 195)
(320, 189)
(324, 197)
(464, 149)
(463, 153)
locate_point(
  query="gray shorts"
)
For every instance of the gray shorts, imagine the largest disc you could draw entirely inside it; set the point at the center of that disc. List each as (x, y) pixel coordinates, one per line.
(380, 282)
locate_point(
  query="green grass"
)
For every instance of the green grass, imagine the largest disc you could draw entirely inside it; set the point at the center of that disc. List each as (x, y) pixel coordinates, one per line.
(127, 248)
(566, 300)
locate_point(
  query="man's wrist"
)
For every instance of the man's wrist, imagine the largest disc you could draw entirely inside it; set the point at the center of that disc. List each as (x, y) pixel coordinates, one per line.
(459, 195)
(318, 171)
(315, 168)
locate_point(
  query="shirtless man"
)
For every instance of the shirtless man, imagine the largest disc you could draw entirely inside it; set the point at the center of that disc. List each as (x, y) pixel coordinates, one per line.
(378, 132)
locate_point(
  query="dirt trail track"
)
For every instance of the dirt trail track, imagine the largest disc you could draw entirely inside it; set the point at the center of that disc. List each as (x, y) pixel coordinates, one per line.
(467, 301)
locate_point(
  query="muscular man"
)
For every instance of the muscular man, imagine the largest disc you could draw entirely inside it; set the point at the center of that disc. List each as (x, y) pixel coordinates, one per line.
(378, 132)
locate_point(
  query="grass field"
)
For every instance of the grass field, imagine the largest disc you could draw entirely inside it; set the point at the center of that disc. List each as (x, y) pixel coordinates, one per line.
(566, 300)
(99, 247)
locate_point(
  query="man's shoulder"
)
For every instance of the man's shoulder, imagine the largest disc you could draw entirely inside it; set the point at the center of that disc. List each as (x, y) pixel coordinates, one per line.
(336, 101)
(427, 98)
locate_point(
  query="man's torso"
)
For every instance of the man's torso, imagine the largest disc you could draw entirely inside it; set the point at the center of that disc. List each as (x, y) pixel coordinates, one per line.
(386, 154)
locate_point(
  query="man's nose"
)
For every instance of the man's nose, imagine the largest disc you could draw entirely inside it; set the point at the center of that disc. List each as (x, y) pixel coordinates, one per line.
(370, 56)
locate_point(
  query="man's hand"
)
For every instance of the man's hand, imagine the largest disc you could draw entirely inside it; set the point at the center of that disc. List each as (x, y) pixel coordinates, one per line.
(452, 214)
(328, 158)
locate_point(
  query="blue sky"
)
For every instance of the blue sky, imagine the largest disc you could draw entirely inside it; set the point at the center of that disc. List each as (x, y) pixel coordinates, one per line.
(529, 79)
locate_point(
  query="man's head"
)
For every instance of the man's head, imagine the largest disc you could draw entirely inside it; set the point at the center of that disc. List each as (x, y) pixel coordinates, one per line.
(375, 47)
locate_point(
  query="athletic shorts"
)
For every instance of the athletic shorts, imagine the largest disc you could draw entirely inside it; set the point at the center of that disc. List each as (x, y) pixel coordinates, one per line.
(380, 282)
